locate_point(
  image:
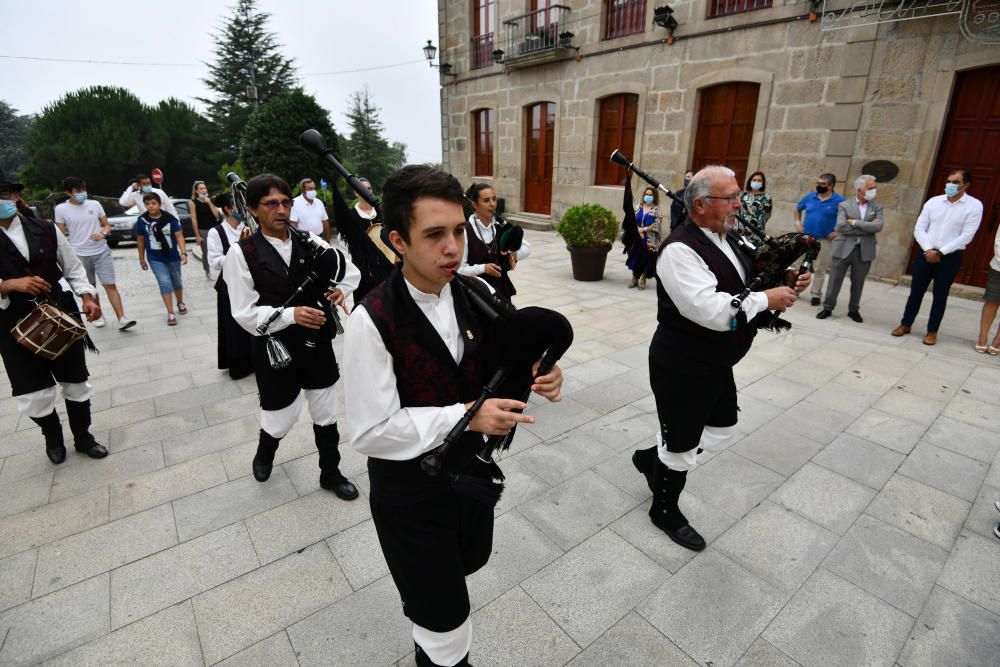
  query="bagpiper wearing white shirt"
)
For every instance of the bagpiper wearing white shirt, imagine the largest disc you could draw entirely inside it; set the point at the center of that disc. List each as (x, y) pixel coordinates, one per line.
(261, 272)
(416, 356)
(482, 243)
(143, 185)
(34, 258)
(699, 338)
(234, 348)
(947, 223)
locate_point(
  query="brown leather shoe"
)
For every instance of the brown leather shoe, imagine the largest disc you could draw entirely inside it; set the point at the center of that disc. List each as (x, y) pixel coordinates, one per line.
(930, 338)
(901, 330)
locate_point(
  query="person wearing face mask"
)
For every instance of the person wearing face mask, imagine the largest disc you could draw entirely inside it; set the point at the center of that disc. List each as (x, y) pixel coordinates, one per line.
(755, 201)
(677, 210)
(87, 225)
(142, 185)
(859, 219)
(204, 216)
(642, 251)
(700, 337)
(34, 261)
(946, 224)
(820, 208)
(309, 212)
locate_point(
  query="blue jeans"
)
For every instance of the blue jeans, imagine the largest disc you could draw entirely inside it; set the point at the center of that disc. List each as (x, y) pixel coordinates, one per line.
(943, 274)
(168, 275)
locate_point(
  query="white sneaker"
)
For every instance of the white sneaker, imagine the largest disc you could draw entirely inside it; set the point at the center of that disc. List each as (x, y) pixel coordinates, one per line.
(125, 323)
(99, 322)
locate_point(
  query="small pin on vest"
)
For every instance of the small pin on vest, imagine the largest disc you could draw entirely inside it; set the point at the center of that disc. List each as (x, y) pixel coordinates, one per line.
(468, 334)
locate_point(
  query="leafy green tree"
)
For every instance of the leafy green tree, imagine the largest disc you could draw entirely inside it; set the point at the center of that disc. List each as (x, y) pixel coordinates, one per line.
(271, 140)
(369, 153)
(245, 51)
(13, 133)
(179, 145)
(98, 133)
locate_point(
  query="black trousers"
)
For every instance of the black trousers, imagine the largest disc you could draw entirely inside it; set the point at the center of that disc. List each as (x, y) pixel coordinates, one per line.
(431, 546)
(943, 275)
(29, 372)
(686, 404)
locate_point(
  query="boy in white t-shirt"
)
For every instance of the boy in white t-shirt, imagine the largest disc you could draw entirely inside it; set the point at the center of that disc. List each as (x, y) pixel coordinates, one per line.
(308, 212)
(87, 226)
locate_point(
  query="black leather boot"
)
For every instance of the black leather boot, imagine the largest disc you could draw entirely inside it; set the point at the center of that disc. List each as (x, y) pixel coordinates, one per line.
(666, 515)
(263, 461)
(423, 660)
(644, 461)
(78, 413)
(327, 442)
(55, 446)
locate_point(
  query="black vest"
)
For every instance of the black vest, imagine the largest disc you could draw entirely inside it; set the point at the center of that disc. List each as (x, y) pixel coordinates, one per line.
(42, 262)
(220, 284)
(481, 252)
(427, 375)
(685, 346)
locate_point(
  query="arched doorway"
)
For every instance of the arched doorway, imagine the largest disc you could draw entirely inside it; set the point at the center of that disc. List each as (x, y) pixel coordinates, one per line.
(972, 141)
(538, 154)
(726, 115)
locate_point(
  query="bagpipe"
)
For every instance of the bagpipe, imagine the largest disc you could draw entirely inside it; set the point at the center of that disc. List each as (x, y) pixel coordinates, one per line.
(531, 334)
(772, 257)
(332, 263)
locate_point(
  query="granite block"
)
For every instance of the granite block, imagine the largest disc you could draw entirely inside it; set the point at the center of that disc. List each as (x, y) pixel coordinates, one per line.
(53, 521)
(634, 642)
(116, 467)
(822, 496)
(920, 510)
(973, 571)
(952, 631)
(732, 483)
(860, 460)
(513, 630)
(359, 554)
(164, 485)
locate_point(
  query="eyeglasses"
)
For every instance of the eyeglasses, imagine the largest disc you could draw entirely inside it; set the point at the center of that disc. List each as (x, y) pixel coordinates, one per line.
(732, 199)
(273, 204)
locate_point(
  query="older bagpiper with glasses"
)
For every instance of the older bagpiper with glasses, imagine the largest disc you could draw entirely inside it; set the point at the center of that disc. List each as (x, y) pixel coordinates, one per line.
(699, 338)
(34, 257)
(261, 272)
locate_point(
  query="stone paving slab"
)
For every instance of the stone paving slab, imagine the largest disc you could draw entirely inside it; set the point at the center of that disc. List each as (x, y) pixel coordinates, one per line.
(849, 523)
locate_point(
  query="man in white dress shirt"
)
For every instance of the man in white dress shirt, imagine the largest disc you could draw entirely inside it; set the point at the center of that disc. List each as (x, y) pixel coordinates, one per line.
(416, 356)
(699, 338)
(34, 258)
(261, 272)
(309, 212)
(143, 185)
(946, 224)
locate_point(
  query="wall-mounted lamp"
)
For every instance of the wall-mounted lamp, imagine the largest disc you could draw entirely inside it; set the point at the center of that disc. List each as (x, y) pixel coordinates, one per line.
(429, 52)
(566, 39)
(664, 17)
(498, 55)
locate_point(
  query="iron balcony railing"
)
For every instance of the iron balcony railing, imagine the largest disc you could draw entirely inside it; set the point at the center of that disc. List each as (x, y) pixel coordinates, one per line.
(717, 8)
(624, 17)
(535, 31)
(482, 51)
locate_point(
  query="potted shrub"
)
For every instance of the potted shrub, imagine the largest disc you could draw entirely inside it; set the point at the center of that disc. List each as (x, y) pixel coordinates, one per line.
(589, 230)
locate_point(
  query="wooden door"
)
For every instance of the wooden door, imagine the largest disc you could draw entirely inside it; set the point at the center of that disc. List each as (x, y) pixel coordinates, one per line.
(726, 117)
(972, 141)
(538, 144)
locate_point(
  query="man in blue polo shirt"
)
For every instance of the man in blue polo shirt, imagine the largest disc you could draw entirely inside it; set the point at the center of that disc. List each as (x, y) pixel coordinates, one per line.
(821, 217)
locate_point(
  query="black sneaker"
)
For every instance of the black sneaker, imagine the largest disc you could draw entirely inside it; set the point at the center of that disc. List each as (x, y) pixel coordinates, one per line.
(814, 301)
(856, 317)
(823, 314)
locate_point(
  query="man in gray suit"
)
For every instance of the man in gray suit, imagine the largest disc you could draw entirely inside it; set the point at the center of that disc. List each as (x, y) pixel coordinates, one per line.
(859, 219)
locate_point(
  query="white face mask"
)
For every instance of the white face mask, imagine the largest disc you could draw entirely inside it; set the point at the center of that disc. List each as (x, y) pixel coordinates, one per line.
(310, 194)
(870, 194)
(756, 185)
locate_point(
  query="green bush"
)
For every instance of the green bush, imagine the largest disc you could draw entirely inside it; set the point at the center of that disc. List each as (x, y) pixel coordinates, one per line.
(588, 226)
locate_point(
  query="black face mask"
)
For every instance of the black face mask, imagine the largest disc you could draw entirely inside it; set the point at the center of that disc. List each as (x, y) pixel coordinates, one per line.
(822, 189)
(687, 182)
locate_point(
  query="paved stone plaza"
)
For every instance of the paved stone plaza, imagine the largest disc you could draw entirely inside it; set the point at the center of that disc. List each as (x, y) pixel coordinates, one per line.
(850, 525)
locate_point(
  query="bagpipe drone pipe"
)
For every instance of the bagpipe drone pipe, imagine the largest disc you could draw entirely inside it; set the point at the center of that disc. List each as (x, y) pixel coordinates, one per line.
(772, 257)
(527, 335)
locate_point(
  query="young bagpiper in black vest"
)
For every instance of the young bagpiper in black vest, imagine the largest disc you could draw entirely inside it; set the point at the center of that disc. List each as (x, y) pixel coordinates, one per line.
(34, 256)
(699, 338)
(261, 272)
(235, 344)
(416, 356)
(484, 257)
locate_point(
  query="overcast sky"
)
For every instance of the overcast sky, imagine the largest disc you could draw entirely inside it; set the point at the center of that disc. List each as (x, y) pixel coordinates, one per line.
(322, 36)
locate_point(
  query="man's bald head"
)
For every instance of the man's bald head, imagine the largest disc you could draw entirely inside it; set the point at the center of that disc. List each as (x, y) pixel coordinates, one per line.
(712, 197)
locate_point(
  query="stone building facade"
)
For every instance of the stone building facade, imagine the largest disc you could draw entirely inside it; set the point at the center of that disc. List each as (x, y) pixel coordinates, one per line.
(828, 100)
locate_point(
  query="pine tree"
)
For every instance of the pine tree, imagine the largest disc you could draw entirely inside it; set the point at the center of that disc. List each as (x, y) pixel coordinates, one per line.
(246, 52)
(13, 133)
(369, 153)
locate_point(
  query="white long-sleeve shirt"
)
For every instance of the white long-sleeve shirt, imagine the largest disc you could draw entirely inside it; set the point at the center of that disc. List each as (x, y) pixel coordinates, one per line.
(377, 425)
(214, 244)
(948, 226)
(132, 198)
(485, 233)
(691, 285)
(72, 268)
(243, 296)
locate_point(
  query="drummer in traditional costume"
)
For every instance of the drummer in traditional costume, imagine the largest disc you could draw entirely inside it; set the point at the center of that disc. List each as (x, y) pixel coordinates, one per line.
(234, 350)
(493, 247)
(34, 257)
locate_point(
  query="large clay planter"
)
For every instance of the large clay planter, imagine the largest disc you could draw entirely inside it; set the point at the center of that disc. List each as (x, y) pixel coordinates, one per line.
(588, 263)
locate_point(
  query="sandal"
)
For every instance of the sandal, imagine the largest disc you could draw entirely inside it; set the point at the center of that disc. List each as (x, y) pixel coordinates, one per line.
(981, 349)
(993, 351)
(182, 308)
(171, 320)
